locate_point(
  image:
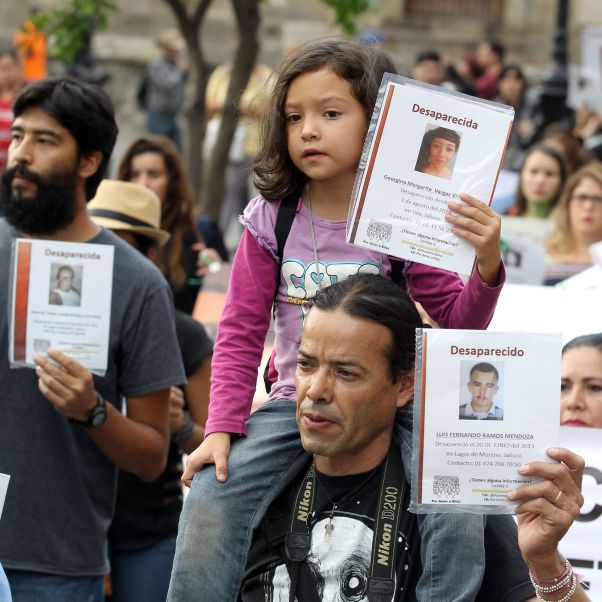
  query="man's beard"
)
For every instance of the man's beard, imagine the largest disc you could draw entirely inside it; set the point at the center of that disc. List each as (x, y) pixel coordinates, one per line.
(52, 208)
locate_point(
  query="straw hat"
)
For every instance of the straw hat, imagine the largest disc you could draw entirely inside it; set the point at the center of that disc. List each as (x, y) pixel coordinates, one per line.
(128, 206)
(171, 39)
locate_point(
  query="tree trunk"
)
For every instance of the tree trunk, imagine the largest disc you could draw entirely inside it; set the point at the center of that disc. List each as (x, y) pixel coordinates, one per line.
(247, 19)
(189, 25)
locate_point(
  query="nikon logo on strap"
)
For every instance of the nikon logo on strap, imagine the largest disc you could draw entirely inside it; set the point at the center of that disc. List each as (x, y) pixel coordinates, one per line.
(304, 506)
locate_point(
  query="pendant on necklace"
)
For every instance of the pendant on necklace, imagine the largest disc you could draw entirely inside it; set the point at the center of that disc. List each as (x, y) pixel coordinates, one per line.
(329, 528)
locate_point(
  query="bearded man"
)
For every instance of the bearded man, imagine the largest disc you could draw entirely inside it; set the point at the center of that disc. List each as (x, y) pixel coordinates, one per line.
(62, 430)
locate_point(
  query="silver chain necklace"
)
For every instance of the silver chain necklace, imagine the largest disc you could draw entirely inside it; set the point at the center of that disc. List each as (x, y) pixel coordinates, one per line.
(313, 238)
(329, 527)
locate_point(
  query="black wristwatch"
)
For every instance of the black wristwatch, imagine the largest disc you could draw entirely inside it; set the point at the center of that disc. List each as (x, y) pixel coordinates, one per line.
(98, 415)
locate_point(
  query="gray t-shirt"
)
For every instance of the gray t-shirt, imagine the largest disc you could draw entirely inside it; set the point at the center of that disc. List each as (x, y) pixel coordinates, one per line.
(61, 495)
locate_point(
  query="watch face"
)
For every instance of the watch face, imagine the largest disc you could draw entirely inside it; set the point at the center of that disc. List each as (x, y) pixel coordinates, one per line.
(98, 417)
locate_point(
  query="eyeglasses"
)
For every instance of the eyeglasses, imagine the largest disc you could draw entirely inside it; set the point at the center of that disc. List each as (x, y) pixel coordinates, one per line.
(583, 198)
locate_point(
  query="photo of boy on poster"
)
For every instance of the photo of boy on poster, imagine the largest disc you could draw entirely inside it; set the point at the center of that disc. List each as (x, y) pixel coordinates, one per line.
(63, 290)
(483, 385)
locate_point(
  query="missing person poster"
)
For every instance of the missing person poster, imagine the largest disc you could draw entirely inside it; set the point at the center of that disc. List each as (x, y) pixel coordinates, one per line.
(425, 145)
(524, 260)
(581, 544)
(61, 299)
(485, 403)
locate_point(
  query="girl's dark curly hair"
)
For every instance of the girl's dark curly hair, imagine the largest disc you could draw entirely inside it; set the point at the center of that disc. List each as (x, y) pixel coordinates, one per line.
(361, 65)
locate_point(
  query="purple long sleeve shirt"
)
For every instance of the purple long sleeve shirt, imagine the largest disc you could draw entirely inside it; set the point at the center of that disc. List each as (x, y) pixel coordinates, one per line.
(248, 309)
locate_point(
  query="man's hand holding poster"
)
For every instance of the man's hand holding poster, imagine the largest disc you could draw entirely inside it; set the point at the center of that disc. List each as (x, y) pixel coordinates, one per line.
(485, 404)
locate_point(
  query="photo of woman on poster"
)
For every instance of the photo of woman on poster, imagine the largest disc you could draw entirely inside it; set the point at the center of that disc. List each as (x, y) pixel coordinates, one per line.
(438, 152)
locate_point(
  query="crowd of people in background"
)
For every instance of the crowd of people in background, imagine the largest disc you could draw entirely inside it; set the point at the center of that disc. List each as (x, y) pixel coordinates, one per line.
(541, 157)
(150, 206)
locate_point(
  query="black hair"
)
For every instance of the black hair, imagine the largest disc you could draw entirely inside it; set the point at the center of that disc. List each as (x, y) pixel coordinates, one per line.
(143, 243)
(427, 142)
(85, 110)
(360, 65)
(484, 367)
(445, 133)
(586, 340)
(513, 69)
(497, 48)
(427, 55)
(372, 297)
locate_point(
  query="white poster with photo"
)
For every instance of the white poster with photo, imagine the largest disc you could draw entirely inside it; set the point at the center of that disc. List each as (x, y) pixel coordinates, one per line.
(61, 299)
(486, 402)
(585, 80)
(523, 260)
(581, 545)
(425, 146)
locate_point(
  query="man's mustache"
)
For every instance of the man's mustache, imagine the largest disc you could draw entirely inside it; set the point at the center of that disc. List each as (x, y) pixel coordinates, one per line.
(21, 171)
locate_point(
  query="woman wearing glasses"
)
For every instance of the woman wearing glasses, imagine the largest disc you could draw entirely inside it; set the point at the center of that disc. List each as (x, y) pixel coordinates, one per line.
(577, 224)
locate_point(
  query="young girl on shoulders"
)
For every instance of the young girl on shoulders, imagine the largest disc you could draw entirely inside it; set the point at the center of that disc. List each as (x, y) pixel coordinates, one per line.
(315, 127)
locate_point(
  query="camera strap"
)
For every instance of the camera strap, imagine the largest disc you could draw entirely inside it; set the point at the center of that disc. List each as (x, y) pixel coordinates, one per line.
(392, 488)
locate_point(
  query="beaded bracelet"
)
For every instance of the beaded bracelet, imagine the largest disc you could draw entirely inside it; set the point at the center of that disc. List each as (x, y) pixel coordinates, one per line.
(185, 432)
(567, 570)
(556, 587)
(566, 597)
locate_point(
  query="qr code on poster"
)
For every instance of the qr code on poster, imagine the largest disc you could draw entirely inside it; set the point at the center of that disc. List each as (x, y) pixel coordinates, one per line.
(379, 231)
(446, 486)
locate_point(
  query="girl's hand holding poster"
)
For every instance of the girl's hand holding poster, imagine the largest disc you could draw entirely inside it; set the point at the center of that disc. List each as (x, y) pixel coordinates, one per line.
(425, 146)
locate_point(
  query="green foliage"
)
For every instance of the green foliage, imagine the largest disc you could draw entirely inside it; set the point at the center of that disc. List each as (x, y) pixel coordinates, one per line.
(347, 11)
(68, 25)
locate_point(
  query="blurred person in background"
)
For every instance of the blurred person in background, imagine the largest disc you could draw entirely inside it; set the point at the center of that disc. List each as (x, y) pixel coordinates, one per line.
(142, 537)
(568, 145)
(155, 162)
(462, 75)
(577, 223)
(251, 104)
(428, 68)
(542, 176)
(30, 43)
(11, 83)
(581, 384)
(588, 129)
(165, 79)
(514, 91)
(490, 57)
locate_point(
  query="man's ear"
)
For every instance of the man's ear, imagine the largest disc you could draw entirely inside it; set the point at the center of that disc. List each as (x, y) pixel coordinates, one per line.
(406, 389)
(89, 164)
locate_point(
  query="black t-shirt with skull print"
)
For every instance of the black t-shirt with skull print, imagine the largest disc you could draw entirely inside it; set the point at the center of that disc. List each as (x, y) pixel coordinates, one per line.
(338, 565)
